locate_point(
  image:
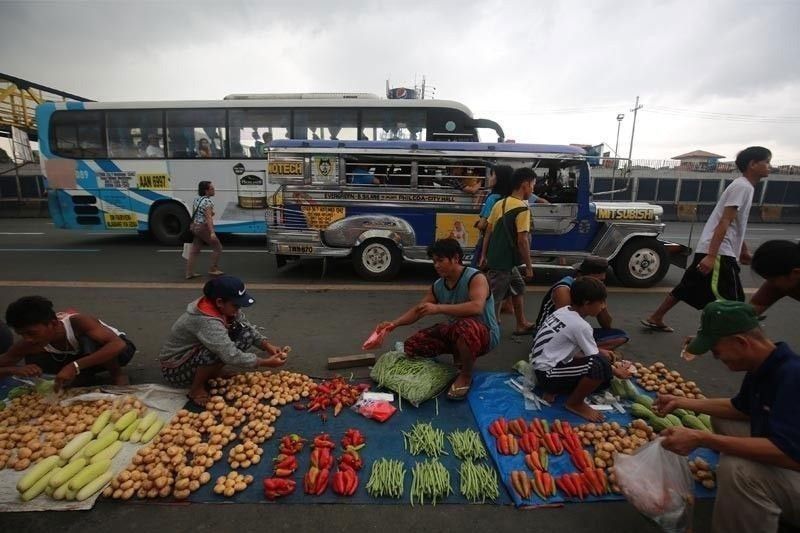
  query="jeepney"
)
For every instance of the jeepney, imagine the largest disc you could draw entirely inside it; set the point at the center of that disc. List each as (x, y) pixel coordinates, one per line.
(383, 203)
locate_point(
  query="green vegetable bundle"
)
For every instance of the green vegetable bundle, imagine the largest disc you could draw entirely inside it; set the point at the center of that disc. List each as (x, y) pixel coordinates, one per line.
(416, 380)
(467, 445)
(424, 438)
(386, 479)
(478, 482)
(430, 479)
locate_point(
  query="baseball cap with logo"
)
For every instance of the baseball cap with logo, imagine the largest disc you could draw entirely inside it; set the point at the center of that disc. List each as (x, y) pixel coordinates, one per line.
(722, 319)
(228, 288)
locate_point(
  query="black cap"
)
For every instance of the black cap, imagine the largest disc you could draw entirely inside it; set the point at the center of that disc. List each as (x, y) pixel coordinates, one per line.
(228, 288)
(592, 265)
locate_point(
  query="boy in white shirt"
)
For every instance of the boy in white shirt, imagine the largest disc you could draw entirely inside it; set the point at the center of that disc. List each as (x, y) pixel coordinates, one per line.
(714, 272)
(565, 356)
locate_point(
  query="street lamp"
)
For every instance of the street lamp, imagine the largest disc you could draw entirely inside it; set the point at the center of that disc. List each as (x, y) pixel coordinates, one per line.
(620, 116)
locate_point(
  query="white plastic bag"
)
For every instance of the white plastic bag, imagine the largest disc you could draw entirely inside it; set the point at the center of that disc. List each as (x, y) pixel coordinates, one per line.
(659, 484)
(187, 247)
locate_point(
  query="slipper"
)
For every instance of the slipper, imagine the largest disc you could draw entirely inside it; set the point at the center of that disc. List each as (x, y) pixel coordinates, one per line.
(458, 393)
(527, 331)
(192, 276)
(215, 272)
(657, 327)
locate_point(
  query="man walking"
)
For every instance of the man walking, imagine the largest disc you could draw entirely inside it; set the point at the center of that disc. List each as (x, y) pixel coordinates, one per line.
(714, 272)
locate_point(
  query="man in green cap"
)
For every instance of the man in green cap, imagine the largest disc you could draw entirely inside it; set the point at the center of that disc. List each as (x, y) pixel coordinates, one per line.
(757, 431)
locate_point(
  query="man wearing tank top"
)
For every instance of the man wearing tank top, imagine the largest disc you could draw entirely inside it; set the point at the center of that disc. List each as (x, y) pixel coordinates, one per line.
(714, 272)
(462, 294)
(67, 345)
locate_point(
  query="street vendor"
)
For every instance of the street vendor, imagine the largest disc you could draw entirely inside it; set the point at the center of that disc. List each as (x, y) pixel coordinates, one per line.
(212, 333)
(462, 294)
(73, 346)
(778, 262)
(757, 431)
(559, 296)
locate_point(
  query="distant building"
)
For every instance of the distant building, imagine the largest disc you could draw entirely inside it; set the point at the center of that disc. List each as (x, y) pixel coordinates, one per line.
(699, 160)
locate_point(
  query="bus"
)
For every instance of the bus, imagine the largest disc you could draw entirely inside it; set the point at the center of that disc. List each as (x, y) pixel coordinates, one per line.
(136, 165)
(380, 204)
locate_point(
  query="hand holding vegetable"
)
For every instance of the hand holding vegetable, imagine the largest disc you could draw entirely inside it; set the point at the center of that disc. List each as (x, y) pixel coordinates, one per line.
(273, 361)
(27, 371)
(665, 404)
(65, 376)
(682, 440)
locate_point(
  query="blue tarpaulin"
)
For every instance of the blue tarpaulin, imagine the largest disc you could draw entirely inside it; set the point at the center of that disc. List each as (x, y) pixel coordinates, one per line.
(491, 398)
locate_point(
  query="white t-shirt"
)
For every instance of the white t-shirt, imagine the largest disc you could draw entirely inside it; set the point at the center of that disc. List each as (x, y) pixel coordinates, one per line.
(738, 194)
(564, 335)
(154, 151)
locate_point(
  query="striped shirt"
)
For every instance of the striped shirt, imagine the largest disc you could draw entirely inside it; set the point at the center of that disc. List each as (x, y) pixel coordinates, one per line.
(563, 336)
(548, 306)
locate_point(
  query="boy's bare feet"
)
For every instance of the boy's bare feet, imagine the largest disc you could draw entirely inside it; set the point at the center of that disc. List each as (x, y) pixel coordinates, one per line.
(584, 411)
(549, 397)
(120, 379)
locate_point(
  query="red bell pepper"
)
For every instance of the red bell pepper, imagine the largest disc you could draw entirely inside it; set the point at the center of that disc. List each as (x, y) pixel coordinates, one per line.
(322, 481)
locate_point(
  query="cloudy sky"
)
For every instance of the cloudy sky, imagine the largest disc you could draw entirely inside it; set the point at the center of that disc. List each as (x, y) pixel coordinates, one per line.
(714, 75)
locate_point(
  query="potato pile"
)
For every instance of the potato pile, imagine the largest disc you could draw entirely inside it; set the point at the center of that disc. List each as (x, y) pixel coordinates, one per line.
(609, 438)
(176, 462)
(658, 378)
(702, 473)
(232, 483)
(279, 388)
(244, 455)
(32, 428)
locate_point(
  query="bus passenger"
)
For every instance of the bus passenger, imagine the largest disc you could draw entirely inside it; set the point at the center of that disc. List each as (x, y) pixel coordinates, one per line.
(66, 344)
(204, 148)
(362, 175)
(154, 146)
(258, 148)
(212, 333)
(202, 227)
(778, 262)
(462, 295)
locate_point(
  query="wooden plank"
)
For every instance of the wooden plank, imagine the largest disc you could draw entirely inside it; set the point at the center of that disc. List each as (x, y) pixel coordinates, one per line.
(350, 361)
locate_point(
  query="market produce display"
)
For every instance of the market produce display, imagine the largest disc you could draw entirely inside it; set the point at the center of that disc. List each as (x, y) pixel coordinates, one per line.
(234, 482)
(316, 479)
(336, 393)
(658, 378)
(424, 439)
(702, 472)
(467, 445)
(387, 479)
(416, 380)
(608, 438)
(429, 479)
(478, 482)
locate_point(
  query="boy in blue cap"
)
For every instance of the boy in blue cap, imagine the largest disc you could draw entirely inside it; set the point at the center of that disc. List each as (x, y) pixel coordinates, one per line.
(212, 333)
(757, 431)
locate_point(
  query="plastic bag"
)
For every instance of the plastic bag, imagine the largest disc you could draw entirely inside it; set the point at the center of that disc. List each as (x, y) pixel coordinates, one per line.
(659, 484)
(375, 340)
(379, 410)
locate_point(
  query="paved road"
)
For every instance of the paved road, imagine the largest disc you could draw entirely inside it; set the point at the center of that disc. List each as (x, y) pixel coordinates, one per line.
(142, 293)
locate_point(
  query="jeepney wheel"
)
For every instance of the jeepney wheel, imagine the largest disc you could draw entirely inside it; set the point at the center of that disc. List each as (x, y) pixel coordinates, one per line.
(377, 260)
(641, 263)
(168, 222)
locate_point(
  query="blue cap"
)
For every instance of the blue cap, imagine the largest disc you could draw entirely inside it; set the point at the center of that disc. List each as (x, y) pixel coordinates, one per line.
(228, 288)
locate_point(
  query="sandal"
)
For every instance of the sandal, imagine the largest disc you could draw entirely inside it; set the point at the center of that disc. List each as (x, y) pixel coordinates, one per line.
(458, 393)
(192, 275)
(530, 330)
(215, 272)
(656, 327)
(199, 401)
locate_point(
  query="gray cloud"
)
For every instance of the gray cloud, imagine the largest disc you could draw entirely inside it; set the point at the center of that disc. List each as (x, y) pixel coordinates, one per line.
(505, 60)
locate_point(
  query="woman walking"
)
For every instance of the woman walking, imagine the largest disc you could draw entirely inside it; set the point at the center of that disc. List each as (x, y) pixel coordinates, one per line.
(203, 230)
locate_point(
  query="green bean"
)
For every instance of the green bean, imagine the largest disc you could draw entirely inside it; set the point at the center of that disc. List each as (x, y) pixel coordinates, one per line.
(467, 445)
(430, 479)
(478, 482)
(386, 479)
(416, 380)
(424, 438)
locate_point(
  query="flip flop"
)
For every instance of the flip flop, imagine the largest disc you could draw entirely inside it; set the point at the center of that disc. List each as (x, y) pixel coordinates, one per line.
(656, 327)
(458, 393)
(192, 276)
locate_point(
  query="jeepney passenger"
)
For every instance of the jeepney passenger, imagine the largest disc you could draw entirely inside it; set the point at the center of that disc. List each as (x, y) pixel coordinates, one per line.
(362, 175)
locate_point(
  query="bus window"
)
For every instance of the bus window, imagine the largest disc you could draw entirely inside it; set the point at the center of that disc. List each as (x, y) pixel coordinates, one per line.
(252, 129)
(195, 133)
(450, 125)
(135, 134)
(78, 134)
(326, 124)
(392, 125)
(391, 172)
(466, 176)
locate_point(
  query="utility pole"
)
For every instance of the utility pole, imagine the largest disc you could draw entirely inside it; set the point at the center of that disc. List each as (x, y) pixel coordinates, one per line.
(635, 109)
(620, 116)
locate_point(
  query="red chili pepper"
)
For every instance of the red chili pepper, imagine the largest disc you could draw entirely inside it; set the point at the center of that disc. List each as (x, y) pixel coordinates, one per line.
(322, 481)
(353, 482)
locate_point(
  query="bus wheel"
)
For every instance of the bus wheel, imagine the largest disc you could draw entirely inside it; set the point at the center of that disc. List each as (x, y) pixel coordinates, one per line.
(377, 260)
(641, 263)
(168, 222)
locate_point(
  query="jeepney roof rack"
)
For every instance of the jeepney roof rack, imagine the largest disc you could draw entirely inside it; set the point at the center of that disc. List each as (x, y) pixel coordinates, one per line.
(441, 146)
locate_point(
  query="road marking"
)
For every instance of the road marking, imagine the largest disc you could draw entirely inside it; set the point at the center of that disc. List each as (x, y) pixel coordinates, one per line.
(226, 250)
(308, 287)
(86, 250)
(21, 233)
